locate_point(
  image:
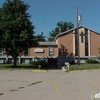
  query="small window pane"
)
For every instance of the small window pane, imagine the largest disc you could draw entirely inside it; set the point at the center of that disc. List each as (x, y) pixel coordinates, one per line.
(50, 51)
(51, 48)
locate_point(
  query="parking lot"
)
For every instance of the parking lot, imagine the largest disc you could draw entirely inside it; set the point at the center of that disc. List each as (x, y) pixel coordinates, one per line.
(48, 85)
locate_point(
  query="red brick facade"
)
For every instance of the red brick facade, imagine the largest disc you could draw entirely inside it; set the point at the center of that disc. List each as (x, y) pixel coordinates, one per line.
(45, 51)
(65, 44)
(94, 43)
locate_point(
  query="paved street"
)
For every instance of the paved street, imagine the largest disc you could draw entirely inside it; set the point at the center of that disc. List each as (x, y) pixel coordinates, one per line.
(50, 85)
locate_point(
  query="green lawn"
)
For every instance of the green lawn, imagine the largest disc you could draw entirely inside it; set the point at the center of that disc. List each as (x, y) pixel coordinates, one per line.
(83, 67)
(28, 66)
(19, 66)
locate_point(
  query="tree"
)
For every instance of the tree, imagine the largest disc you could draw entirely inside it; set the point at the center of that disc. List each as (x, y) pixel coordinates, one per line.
(40, 37)
(16, 30)
(61, 27)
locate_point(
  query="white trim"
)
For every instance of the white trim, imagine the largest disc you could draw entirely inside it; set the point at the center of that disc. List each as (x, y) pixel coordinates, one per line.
(73, 43)
(72, 30)
(89, 42)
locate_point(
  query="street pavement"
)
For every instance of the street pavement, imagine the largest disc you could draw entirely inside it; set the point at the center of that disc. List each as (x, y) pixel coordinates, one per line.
(48, 85)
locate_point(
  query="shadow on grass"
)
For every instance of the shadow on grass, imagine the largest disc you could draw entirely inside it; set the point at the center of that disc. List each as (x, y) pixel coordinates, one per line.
(19, 66)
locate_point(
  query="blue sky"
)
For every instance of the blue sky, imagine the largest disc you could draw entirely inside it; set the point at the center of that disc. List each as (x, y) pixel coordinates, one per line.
(46, 13)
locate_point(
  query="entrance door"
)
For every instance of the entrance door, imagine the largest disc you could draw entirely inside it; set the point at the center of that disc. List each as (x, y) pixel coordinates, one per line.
(53, 62)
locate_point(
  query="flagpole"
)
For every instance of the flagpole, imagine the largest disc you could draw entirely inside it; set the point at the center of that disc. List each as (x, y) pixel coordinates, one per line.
(78, 47)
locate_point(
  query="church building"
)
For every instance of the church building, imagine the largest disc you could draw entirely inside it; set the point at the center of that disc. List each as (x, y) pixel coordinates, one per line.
(64, 47)
(65, 44)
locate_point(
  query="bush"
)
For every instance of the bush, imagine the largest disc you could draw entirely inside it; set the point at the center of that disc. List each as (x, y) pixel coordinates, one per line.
(34, 63)
(44, 64)
(92, 61)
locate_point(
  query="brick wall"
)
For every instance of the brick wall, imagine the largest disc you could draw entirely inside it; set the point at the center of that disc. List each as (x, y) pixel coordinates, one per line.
(65, 44)
(44, 53)
(94, 43)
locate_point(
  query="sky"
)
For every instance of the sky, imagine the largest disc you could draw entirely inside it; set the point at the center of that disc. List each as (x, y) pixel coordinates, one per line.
(46, 13)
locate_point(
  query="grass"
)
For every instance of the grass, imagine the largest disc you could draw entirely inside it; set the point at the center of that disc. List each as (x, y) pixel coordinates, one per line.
(28, 66)
(35, 83)
(19, 66)
(21, 87)
(13, 90)
(83, 67)
(1, 93)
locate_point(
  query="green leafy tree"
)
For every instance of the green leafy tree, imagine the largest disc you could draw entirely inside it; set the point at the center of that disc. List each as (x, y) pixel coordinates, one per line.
(61, 27)
(16, 30)
(40, 37)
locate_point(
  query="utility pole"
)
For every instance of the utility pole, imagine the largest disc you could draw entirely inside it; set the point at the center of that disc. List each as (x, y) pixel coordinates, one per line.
(78, 47)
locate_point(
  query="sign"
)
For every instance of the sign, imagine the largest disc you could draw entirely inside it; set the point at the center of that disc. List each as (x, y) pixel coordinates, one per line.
(67, 64)
(38, 50)
(39, 66)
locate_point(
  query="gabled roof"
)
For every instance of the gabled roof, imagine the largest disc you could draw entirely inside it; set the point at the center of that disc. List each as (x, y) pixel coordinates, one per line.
(66, 32)
(46, 43)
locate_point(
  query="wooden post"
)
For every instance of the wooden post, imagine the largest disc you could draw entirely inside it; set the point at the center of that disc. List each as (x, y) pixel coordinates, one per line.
(78, 47)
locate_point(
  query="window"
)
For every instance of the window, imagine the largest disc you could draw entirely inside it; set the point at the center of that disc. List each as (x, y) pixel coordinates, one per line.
(50, 51)
(86, 42)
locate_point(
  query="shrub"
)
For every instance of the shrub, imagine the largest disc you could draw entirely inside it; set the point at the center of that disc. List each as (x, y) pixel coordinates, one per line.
(98, 59)
(34, 63)
(43, 64)
(92, 61)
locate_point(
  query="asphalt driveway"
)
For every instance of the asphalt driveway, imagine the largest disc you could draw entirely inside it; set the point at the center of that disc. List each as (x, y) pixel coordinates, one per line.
(48, 85)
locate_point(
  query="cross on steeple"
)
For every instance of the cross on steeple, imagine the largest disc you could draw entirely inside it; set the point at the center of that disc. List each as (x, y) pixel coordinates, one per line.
(82, 36)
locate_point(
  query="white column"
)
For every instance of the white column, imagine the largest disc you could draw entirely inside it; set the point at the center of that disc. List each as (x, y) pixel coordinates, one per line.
(74, 42)
(89, 42)
(19, 59)
(6, 60)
